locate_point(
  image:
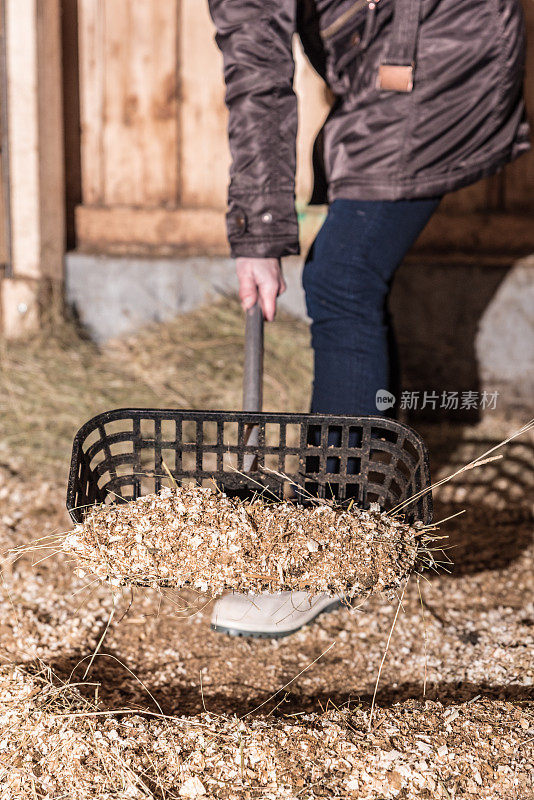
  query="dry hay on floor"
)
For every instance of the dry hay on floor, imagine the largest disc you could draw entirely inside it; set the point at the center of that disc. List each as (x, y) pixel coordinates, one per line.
(200, 537)
(53, 381)
(57, 743)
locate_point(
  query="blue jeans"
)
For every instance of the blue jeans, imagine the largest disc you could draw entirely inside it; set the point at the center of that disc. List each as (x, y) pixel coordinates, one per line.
(347, 278)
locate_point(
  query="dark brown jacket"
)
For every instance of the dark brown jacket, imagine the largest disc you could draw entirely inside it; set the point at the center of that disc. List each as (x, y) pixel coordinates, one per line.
(428, 99)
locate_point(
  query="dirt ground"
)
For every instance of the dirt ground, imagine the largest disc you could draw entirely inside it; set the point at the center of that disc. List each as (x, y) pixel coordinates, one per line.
(226, 718)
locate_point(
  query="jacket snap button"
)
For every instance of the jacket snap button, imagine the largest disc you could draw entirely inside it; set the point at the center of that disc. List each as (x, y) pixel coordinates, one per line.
(267, 217)
(239, 218)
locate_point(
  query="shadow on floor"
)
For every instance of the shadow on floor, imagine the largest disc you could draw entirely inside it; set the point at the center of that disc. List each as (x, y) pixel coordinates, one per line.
(510, 477)
(482, 538)
(497, 499)
(119, 690)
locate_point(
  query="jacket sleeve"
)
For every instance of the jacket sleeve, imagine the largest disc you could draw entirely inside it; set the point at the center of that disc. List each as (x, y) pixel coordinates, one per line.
(255, 38)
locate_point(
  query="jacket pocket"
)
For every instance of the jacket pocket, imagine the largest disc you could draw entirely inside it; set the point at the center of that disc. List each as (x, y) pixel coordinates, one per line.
(345, 39)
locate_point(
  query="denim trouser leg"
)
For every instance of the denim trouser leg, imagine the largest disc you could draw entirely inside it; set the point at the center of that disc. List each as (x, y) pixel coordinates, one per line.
(347, 277)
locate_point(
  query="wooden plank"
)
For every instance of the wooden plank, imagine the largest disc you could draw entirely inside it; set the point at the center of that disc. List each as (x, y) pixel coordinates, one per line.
(21, 62)
(71, 114)
(165, 231)
(519, 175)
(5, 233)
(470, 199)
(156, 230)
(4, 243)
(478, 232)
(120, 162)
(92, 79)
(140, 116)
(160, 132)
(50, 139)
(313, 107)
(35, 138)
(204, 150)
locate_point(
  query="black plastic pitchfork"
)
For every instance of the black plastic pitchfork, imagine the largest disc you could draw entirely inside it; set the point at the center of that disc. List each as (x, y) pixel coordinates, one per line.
(122, 454)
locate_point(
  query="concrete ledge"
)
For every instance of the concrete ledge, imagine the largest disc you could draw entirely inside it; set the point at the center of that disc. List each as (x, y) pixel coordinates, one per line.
(463, 323)
(114, 295)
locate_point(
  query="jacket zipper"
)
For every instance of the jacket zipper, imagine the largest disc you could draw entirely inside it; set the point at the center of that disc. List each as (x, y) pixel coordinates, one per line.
(338, 23)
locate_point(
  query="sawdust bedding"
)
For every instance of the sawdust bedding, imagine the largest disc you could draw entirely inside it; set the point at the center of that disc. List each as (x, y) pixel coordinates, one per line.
(54, 743)
(200, 537)
(473, 737)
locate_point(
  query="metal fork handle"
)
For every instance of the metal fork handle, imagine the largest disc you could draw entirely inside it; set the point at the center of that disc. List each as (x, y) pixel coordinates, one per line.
(253, 369)
(253, 379)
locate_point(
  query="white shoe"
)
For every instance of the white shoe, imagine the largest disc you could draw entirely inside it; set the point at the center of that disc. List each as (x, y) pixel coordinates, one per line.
(269, 615)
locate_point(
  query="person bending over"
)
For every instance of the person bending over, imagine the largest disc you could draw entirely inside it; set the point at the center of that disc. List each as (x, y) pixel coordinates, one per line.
(427, 99)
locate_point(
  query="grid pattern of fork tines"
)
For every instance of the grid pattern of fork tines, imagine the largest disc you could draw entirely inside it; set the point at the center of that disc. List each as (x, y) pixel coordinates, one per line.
(122, 454)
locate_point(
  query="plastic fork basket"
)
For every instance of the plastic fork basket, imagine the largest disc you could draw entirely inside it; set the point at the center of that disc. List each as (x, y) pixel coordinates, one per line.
(123, 454)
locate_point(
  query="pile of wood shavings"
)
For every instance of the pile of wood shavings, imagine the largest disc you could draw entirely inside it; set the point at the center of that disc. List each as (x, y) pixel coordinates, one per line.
(194, 536)
(57, 743)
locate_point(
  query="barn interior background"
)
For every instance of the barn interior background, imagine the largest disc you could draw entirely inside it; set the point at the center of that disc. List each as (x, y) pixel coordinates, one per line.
(113, 161)
(114, 164)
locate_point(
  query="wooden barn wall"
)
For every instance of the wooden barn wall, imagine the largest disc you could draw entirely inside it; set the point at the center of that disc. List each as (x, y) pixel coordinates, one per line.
(154, 155)
(32, 231)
